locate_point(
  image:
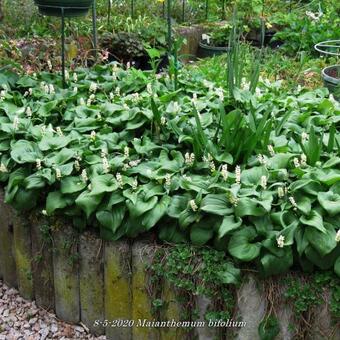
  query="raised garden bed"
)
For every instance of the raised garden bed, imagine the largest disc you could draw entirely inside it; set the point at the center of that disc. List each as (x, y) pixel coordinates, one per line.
(106, 286)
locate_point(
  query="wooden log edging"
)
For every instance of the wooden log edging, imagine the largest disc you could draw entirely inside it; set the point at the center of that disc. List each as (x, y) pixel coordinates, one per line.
(104, 285)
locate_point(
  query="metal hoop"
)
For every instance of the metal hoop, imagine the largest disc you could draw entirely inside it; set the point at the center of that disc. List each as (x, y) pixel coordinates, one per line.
(329, 44)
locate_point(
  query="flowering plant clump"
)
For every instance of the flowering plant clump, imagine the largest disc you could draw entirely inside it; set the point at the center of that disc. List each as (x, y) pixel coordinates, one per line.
(254, 175)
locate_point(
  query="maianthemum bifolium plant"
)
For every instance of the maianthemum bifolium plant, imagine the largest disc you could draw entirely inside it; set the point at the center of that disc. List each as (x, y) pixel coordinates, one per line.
(253, 173)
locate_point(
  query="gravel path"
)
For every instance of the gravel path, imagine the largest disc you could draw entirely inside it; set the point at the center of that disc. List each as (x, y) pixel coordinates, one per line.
(23, 320)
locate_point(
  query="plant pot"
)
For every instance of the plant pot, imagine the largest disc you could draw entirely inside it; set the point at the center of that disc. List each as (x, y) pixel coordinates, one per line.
(331, 79)
(72, 8)
(210, 51)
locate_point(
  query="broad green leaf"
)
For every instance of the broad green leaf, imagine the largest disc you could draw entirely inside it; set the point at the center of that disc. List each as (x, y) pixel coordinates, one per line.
(111, 220)
(240, 245)
(253, 176)
(141, 206)
(25, 152)
(230, 274)
(229, 223)
(324, 243)
(103, 183)
(314, 220)
(273, 265)
(217, 204)
(71, 184)
(330, 202)
(200, 236)
(56, 200)
(151, 218)
(88, 202)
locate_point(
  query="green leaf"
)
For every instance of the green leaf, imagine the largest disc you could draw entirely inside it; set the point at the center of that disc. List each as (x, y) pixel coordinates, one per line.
(187, 217)
(324, 243)
(56, 200)
(240, 245)
(200, 236)
(330, 202)
(314, 220)
(253, 176)
(228, 224)
(274, 265)
(217, 204)
(111, 220)
(323, 262)
(53, 143)
(88, 202)
(71, 184)
(103, 183)
(141, 206)
(230, 274)
(25, 152)
(151, 218)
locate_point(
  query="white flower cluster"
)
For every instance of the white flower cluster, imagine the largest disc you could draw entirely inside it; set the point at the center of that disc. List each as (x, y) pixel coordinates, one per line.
(271, 150)
(3, 168)
(189, 159)
(233, 200)
(238, 174)
(93, 135)
(84, 176)
(262, 160)
(91, 99)
(135, 184)
(167, 180)
(76, 165)
(264, 181)
(212, 166)
(224, 171)
(126, 152)
(59, 132)
(105, 164)
(57, 173)
(304, 137)
(193, 205)
(293, 202)
(15, 122)
(280, 241)
(219, 92)
(119, 179)
(314, 16)
(28, 112)
(93, 87)
(38, 163)
(75, 77)
(280, 192)
(2, 94)
(337, 236)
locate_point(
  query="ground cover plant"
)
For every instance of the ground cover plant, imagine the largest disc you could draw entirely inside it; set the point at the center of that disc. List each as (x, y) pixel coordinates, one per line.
(255, 174)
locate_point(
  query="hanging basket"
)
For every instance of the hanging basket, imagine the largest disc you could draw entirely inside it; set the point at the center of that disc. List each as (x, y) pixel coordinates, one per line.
(72, 8)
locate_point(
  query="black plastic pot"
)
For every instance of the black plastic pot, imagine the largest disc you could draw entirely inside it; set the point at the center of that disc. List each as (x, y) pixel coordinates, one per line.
(72, 8)
(210, 51)
(331, 79)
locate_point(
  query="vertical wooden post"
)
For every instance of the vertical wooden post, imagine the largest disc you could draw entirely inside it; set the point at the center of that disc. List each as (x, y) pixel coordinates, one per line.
(66, 274)
(118, 292)
(42, 264)
(91, 282)
(7, 260)
(23, 255)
